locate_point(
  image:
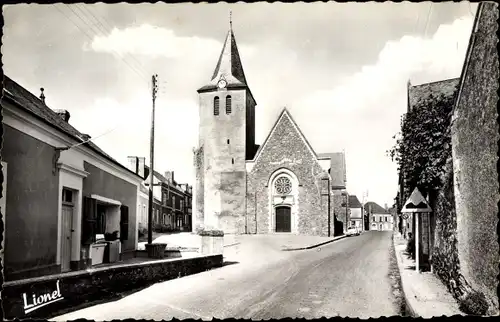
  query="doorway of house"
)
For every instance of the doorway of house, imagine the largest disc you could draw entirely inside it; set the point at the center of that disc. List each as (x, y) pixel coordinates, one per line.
(66, 228)
(380, 227)
(283, 219)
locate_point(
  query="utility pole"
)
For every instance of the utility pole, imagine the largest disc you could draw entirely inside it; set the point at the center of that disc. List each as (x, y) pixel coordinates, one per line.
(329, 209)
(151, 164)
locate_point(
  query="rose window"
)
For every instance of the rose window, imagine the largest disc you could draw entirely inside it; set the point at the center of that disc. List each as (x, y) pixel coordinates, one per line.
(283, 185)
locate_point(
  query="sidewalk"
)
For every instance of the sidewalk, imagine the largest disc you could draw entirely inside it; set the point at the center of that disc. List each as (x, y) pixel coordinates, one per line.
(425, 295)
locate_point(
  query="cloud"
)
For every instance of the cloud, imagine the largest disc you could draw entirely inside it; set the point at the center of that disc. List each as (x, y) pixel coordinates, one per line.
(153, 41)
(362, 114)
(124, 129)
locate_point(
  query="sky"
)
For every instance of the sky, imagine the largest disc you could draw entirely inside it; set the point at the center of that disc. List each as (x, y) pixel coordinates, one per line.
(341, 69)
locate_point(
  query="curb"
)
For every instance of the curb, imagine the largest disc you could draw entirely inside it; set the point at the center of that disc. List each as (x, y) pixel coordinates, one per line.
(231, 245)
(408, 308)
(314, 246)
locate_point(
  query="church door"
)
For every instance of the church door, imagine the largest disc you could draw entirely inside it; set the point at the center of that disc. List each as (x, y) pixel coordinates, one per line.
(283, 219)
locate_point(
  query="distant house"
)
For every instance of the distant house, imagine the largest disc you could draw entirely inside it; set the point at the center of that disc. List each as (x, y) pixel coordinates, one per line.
(355, 212)
(172, 206)
(61, 193)
(380, 218)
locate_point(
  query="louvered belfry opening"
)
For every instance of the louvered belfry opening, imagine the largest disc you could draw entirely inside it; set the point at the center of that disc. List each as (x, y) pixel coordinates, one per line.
(228, 104)
(216, 105)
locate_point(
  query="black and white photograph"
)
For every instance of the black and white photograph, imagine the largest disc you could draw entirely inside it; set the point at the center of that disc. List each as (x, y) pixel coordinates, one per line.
(249, 160)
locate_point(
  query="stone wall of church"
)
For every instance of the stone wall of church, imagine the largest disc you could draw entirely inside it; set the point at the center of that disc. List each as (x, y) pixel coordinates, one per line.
(198, 191)
(223, 137)
(286, 149)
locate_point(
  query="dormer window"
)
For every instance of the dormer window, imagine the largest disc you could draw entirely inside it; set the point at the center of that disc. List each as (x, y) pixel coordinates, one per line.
(216, 105)
(228, 104)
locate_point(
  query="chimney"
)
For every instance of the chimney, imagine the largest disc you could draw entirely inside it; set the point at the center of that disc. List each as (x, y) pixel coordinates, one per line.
(141, 166)
(386, 208)
(132, 164)
(170, 176)
(64, 114)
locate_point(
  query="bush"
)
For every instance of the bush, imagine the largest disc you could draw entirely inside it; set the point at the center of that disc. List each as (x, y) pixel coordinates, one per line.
(211, 233)
(474, 303)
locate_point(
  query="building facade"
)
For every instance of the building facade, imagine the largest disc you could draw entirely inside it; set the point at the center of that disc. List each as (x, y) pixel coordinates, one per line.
(60, 193)
(380, 218)
(355, 212)
(172, 203)
(474, 138)
(281, 186)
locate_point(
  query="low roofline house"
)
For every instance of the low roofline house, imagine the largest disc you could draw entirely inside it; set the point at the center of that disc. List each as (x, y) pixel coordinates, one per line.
(61, 191)
(355, 212)
(380, 218)
(172, 208)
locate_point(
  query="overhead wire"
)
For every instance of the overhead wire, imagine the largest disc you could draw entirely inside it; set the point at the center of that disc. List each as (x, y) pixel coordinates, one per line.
(108, 30)
(137, 72)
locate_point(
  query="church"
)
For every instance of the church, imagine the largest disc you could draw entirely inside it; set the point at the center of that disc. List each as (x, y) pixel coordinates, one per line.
(281, 186)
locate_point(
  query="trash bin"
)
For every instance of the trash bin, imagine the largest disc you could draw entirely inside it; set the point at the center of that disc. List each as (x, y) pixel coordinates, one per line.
(97, 253)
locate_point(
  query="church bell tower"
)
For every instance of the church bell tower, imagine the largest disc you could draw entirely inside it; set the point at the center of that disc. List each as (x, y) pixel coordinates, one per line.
(226, 141)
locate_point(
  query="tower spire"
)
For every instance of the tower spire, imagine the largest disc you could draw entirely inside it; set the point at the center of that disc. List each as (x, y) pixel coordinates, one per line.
(230, 19)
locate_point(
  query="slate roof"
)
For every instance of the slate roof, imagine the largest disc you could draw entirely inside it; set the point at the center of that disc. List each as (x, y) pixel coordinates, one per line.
(419, 93)
(33, 105)
(229, 66)
(354, 202)
(376, 208)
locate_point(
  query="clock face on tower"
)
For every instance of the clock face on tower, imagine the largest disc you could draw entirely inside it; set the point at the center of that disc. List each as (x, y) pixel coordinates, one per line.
(222, 84)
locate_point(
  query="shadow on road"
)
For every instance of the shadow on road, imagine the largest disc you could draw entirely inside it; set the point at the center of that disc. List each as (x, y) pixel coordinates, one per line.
(227, 263)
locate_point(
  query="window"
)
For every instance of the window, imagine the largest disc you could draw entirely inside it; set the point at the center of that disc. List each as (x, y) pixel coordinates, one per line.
(232, 160)
(216, 105)
(67, 195)
(385, 218)
(228, 104)
(227, 141)
(283, 186)
(373, 218)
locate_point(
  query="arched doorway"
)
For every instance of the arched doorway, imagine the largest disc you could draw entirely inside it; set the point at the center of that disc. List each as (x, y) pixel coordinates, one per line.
(283, 219)
(381, 227)
(283, 189)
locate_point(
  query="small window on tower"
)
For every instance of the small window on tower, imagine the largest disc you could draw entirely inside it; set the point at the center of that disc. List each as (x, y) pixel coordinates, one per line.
(216, 105)
(232, 160)
(228, 104)
(227, 141)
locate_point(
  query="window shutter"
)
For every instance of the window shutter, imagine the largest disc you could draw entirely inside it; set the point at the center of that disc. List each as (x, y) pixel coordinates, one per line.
(123, 223)
(228, 104)
(216, 105)
(89, 221)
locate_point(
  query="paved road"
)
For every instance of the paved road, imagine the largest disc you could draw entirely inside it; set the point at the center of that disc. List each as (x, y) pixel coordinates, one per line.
(348, 278)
